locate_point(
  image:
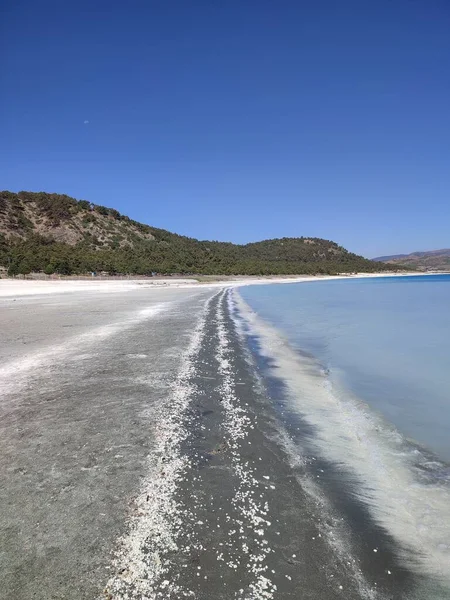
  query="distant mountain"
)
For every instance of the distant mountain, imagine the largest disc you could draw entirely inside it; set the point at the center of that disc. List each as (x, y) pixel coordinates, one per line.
(56, 233)
(390, 257)
(431, 260)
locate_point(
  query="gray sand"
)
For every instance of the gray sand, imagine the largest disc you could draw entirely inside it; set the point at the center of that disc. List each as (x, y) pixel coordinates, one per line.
(77, 371)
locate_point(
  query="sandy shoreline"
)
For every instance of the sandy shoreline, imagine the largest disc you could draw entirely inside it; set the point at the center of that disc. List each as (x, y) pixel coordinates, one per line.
(140, 452)
(22, 287)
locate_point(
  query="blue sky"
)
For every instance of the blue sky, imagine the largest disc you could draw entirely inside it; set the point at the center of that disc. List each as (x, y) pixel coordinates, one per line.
(238, 120)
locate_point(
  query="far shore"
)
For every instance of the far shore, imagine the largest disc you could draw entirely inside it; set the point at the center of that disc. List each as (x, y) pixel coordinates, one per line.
(22, 287)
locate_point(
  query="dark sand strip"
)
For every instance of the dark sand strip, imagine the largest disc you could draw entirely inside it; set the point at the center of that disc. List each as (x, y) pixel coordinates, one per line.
(219, 502)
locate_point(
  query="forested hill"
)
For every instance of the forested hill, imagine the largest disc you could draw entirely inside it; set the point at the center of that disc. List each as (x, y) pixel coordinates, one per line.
(56, 233)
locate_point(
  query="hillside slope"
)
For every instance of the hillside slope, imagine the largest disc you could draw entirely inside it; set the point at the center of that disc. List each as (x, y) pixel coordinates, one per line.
(56, 233)
(432, 260)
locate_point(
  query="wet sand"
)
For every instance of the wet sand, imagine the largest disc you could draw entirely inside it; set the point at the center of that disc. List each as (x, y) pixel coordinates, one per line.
(143, 455)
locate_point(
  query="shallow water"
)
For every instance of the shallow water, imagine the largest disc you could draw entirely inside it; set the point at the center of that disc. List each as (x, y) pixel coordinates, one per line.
(364, 364)
(387, 340)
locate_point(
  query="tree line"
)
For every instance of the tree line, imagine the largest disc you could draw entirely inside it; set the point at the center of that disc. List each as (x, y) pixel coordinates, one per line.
(123, 246)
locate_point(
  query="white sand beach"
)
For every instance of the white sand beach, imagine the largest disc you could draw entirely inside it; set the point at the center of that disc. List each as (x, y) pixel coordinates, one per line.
(22, 287)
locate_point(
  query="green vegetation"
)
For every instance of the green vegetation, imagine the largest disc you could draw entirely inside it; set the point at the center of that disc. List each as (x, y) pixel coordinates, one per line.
(54, 233)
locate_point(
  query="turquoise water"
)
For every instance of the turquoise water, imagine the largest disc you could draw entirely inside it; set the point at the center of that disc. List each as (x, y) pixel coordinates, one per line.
(385, 340)
(360, 371)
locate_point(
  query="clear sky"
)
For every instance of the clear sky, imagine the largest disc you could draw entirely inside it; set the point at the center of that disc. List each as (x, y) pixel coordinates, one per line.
(237, 120)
